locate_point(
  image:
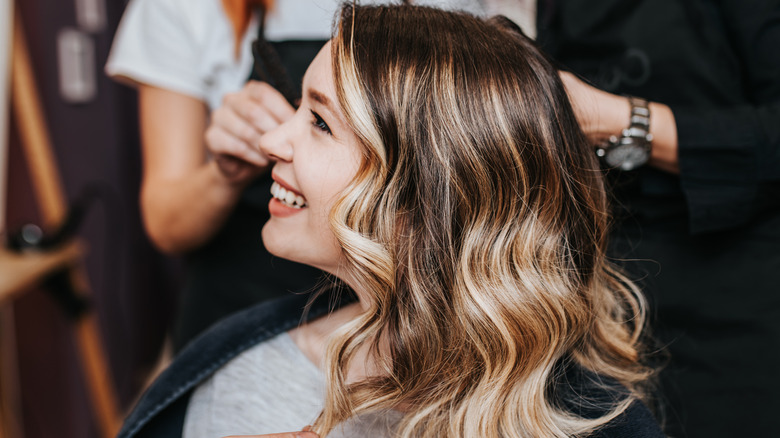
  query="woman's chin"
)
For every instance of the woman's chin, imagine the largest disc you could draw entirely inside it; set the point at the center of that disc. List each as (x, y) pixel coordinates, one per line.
(281, 245)
(274, 242)
(289, 241)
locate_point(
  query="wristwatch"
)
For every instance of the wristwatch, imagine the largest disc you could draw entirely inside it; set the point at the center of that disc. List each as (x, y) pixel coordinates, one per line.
(632, 149)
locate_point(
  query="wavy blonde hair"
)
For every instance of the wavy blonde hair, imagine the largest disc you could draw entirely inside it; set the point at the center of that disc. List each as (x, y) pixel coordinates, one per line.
(477, 226)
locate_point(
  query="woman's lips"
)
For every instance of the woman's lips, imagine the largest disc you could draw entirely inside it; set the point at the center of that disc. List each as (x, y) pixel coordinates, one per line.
(279, 209)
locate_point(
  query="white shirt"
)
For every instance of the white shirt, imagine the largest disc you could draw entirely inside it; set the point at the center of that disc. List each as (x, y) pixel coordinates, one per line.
(184, 46)
(187, 45)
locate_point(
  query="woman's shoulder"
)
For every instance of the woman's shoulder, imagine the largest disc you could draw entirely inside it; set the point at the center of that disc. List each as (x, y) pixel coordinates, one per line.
(207, 353)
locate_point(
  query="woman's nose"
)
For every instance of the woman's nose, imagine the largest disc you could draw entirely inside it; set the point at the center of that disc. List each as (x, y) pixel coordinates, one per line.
(277, 143)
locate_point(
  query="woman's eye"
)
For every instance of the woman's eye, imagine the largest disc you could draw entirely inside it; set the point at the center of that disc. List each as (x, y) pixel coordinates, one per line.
(320, 124)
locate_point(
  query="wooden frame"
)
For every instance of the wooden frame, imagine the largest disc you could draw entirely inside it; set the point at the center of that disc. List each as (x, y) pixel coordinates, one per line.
(24, 270)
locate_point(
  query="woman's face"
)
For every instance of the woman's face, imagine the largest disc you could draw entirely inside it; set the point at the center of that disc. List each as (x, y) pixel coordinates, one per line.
(317, 155)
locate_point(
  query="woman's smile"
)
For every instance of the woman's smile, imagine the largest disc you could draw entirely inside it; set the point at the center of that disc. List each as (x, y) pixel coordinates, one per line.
(286, 201)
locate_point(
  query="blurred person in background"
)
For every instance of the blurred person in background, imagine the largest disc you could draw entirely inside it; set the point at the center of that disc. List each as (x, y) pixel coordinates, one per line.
(185, 57)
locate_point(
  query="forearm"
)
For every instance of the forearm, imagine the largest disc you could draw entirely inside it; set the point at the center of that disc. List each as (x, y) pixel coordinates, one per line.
(184, 213)
(187, 196)
(184, 197)
(613, 117)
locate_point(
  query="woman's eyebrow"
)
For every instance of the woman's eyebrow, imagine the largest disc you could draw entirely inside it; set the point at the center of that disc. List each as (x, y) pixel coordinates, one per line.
(321, 99)
(330, 106)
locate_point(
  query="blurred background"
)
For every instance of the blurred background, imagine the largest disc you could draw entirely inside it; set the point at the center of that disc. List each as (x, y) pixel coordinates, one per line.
(91, 124)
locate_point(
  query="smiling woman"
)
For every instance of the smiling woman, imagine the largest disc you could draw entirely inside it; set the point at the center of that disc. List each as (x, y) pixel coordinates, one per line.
(436, 168)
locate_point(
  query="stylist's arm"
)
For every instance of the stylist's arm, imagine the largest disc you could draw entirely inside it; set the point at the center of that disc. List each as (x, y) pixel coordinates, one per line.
(602, 114)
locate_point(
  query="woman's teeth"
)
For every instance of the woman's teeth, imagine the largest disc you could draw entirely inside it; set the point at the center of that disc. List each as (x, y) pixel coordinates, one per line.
(287, 197)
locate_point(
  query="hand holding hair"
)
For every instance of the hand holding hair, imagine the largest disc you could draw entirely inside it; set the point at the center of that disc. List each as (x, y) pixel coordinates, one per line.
(236, 127)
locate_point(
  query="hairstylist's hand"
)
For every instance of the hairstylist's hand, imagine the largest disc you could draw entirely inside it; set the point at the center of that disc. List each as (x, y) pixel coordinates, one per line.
(599, 113)
(236, 127)
(602, 114)
(305, 433)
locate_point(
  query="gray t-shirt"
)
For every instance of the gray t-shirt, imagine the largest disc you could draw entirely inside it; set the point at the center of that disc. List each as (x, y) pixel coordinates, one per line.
(271, 388)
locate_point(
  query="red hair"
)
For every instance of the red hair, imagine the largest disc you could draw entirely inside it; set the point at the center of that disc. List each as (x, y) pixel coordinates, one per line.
(239, 13)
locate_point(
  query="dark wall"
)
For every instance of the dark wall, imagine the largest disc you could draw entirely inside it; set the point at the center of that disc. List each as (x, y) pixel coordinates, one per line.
(96, 147)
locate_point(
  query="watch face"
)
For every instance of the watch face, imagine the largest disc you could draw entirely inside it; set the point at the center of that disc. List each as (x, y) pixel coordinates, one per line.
(627, 156)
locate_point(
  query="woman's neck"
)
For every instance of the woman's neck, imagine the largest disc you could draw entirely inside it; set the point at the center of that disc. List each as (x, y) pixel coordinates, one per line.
(313, 338)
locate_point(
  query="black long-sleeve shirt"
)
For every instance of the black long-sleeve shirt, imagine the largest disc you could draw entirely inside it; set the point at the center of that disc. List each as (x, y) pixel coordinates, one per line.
(717, 65)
